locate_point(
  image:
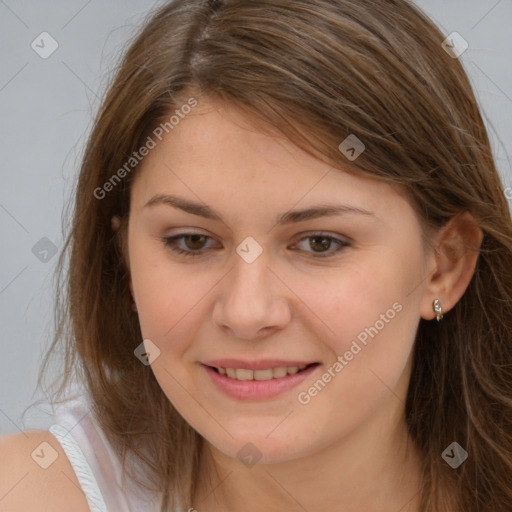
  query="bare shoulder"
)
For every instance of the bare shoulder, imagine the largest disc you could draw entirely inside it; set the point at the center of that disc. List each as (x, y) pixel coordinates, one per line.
(36, 475)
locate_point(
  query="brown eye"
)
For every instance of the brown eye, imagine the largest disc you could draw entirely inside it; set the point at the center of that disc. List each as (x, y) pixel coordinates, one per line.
(193, 244)
(194, 241)
(320, 244)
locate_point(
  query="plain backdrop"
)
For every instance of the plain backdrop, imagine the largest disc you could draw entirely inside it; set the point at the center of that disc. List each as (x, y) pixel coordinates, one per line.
(47, 106)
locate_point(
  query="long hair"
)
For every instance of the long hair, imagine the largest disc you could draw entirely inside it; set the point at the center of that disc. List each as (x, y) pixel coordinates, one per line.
(317, 71)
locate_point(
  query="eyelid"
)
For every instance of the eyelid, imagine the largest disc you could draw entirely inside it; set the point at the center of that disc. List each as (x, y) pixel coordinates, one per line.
(327, 234)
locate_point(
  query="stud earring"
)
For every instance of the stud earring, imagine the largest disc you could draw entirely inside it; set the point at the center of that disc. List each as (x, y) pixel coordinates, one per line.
(438, 309)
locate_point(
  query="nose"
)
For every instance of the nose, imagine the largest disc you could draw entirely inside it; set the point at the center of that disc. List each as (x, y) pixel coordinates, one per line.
(252, 300)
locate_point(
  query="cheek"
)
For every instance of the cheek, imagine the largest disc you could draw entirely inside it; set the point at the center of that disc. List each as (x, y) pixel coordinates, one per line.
(353, 299)
(367, 314)
(161, 292)
(369, 354)
(169, 307)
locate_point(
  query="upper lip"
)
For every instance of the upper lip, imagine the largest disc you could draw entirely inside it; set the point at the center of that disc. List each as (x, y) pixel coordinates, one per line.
(262, 364)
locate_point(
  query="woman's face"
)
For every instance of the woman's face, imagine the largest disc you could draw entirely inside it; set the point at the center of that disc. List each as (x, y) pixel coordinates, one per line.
(267, 290)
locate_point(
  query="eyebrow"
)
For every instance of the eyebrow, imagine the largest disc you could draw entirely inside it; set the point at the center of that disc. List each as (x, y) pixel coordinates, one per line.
(290, 217)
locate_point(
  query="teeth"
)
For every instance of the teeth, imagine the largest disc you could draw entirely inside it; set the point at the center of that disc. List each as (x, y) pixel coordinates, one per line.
(262, 374)
(279, 372)
(242, 374)
(267, 374)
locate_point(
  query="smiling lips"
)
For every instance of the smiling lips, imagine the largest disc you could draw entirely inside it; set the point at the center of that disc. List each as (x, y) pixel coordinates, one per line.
(257, 370)
(259, 379)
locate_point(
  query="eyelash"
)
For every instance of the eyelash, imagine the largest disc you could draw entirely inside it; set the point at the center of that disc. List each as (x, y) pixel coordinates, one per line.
(170, 242)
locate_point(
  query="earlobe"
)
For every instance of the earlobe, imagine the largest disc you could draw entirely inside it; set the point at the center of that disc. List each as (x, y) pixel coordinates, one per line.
(456, 256)
(115, 223)
(119, 227)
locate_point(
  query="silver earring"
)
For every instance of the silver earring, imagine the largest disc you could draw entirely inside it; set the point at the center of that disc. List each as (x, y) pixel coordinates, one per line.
(438, 309)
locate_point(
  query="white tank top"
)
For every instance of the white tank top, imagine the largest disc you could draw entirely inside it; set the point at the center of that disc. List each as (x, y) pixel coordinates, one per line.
(96, 466)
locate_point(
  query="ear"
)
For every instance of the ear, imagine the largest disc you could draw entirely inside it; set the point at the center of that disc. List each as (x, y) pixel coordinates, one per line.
(119, 227)
(115, 222)
(456, 255)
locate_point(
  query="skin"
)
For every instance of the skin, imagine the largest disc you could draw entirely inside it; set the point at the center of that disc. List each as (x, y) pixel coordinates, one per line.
(348, 448)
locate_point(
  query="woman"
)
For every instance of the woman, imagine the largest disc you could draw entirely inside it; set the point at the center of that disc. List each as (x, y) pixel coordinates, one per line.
(290, 274)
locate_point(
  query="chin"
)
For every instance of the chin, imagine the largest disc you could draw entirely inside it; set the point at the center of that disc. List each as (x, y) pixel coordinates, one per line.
(258, 448)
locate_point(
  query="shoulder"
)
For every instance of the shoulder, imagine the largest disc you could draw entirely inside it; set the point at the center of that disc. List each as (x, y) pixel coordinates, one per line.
(36, 475)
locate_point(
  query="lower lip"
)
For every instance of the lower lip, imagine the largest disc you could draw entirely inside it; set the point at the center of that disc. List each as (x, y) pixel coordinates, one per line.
(257, 389)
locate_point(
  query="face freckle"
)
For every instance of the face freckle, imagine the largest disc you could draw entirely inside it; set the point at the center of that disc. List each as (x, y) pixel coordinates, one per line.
(288, 303)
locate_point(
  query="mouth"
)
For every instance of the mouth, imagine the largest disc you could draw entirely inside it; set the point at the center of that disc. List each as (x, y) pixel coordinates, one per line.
(257, 381)
(246, 374)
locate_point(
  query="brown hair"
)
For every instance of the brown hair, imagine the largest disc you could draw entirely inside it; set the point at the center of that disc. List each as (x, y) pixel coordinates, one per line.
(317, 71)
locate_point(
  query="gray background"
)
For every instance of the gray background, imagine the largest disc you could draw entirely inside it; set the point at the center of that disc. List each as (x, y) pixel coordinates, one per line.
(47, 107)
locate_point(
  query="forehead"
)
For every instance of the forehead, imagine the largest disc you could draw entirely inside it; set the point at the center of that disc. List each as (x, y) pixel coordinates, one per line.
(219, 155)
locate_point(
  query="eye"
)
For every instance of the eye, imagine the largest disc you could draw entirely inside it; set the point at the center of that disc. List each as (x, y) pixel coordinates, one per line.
(321, 243)
(194, 241)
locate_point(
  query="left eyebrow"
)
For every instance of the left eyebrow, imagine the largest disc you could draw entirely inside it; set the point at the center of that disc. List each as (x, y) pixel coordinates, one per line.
(291, 217)
(322, 210)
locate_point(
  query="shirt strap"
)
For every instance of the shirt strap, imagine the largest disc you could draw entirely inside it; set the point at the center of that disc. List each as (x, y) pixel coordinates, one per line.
(81, 467)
